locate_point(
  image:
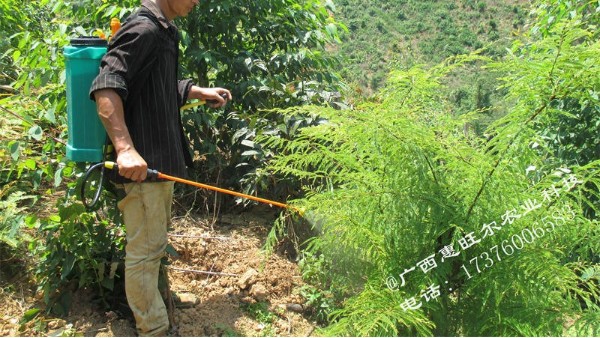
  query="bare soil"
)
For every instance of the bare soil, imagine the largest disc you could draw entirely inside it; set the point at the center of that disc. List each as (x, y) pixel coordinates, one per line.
(240, 291)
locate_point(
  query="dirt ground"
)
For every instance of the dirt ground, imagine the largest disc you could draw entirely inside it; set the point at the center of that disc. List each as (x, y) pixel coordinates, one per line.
(239, 290)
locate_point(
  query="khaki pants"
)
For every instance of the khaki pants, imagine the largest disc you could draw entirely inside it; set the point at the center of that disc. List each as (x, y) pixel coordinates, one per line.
(146, 212)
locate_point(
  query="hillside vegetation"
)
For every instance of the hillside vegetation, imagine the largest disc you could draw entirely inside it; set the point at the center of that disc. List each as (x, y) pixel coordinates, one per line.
(382, 34)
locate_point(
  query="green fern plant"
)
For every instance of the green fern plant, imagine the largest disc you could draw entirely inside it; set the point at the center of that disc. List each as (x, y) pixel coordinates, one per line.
(400, 181)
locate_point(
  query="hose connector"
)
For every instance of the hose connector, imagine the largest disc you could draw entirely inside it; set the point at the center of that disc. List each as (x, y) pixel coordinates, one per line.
(151, 174)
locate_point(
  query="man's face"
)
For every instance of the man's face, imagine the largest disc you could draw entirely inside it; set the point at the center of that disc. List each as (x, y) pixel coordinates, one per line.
(181, 7)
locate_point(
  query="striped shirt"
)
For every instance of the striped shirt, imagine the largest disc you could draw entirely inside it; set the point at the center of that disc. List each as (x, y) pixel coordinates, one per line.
(141, 66)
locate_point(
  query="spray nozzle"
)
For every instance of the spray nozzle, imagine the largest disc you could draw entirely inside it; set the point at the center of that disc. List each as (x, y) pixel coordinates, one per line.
(224, 96)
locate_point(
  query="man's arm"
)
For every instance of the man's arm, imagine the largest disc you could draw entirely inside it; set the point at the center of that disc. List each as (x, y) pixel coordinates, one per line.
(110, 109)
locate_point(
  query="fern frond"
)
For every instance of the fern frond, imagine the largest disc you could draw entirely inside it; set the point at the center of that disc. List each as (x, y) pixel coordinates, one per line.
(377, 312)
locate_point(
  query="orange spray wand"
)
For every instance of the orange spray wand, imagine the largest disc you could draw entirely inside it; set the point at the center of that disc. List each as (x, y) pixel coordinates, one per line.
(154, 174)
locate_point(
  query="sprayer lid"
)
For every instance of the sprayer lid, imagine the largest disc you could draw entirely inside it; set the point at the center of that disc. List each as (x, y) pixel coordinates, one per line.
(88, 41)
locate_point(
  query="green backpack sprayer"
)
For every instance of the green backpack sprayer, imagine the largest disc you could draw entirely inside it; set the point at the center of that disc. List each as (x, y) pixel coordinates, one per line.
(87, 136)
(87, 139)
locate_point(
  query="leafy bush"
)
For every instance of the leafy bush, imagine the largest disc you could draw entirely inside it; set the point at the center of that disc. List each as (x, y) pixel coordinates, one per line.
(270, 54)
(81, 249)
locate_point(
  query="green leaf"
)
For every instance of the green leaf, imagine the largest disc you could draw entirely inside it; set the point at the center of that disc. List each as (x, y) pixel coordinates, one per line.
(50, 114)
(250, 153)
(58, 176)
(590, 273)
(29, 315)
(67, 267)
(331, 30)
(30, 164)
(248, 143)
(16, 55)
(64, 303)
(79, 30)
(36, 132)
(15, 150)
(62, 28)
(9, 240)
(71, 211)
(32, 221)
(108, 283)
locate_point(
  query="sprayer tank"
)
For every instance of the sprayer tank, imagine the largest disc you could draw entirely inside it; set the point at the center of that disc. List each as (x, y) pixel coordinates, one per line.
(87, 135)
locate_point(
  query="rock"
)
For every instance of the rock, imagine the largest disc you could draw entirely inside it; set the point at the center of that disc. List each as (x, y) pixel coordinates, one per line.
(111, 315)
(248, 300)
(185, 300)
(55, 324)
(294, 307)
(259, 292)
(247, 279)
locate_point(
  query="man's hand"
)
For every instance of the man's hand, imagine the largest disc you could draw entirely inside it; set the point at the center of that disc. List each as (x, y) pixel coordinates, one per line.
(215, 95)
(131, 165)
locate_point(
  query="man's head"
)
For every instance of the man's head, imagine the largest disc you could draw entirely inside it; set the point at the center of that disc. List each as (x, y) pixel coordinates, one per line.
(176, 8)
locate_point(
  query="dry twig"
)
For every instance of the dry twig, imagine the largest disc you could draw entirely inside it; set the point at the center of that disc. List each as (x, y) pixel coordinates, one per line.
(204, 272)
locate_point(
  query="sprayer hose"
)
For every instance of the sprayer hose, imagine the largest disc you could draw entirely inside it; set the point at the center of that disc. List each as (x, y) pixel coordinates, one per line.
(84, 182)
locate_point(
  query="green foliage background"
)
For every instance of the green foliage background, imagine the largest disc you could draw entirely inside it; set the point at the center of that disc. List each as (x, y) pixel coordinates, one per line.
(386, 183)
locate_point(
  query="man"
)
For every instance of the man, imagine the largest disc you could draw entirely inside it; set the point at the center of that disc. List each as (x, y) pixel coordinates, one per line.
(138, 98)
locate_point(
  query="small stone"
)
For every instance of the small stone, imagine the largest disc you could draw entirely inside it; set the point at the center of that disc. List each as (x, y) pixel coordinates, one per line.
(248, 300)
(111, 315)
(247, 279)
(259, 292)
(294, 307)
(53, 324)
(185, 300)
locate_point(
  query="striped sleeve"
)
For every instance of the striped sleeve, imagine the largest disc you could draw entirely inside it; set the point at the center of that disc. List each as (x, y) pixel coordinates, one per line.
(126, 57)
(183, 89)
